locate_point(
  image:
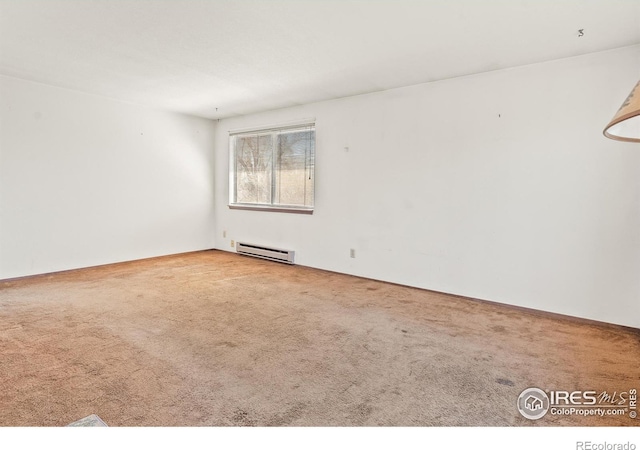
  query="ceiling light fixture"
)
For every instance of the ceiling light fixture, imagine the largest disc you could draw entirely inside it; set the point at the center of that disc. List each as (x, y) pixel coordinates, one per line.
(625, 125)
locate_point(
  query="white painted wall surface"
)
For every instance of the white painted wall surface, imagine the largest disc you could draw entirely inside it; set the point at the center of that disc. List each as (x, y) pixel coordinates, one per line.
(498, 186)
(85, 180)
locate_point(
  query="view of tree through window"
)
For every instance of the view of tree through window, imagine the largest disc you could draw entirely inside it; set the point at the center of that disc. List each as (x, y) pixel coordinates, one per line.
(274, 168)
(254, 157)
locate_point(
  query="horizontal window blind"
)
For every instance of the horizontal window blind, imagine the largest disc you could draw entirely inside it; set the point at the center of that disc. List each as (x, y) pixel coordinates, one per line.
(277, 127)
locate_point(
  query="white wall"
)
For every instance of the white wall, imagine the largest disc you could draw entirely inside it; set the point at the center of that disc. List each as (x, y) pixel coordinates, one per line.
(498, 186)
(86, 180)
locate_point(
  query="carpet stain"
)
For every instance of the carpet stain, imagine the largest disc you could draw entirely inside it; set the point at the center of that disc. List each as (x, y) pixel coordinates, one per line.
(505, 382)
(241, 418)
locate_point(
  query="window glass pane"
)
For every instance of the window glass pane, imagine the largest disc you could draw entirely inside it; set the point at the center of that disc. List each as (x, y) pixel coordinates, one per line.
(273, 168)
(254, 155)
(294, 161)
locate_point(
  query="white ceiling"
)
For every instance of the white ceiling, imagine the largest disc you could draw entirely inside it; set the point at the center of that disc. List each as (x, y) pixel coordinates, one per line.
(219, 58)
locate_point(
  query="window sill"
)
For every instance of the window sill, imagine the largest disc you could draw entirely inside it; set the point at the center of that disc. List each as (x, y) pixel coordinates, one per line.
(283, 209)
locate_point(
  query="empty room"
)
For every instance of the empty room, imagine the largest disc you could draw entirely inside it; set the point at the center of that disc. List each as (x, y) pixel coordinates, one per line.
(305, 213)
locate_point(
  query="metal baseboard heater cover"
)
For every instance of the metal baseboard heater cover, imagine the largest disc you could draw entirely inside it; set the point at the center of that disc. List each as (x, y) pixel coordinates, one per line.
(260, 251)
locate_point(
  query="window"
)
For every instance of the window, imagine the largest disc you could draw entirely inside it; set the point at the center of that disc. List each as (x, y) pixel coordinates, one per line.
(273, 169)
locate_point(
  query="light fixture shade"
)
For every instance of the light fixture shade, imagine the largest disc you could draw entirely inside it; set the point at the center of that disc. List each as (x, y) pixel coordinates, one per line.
(625, 125)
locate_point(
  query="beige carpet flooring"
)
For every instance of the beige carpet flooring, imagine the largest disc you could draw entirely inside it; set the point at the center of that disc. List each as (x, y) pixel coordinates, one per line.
(216, 339)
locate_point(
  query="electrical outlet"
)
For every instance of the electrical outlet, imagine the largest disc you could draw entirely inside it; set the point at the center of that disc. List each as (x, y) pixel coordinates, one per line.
(233, 243)
(352, 252)
(224, 234)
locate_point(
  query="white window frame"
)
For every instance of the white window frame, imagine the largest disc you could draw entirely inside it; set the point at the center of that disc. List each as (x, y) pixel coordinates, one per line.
(273, 207)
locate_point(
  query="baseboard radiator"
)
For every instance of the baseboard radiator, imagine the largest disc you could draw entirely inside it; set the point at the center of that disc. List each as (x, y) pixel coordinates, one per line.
(260, 251)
